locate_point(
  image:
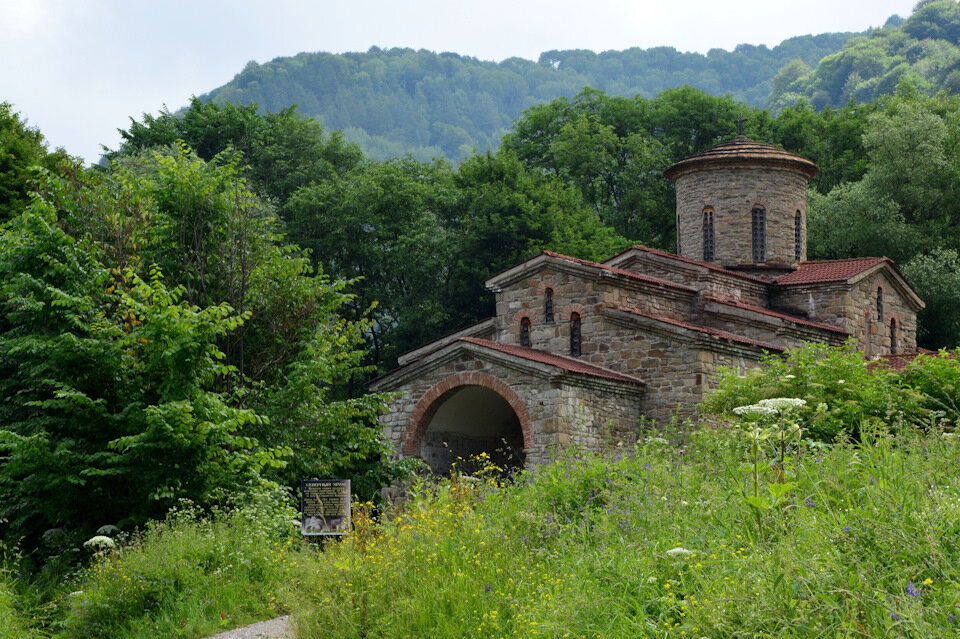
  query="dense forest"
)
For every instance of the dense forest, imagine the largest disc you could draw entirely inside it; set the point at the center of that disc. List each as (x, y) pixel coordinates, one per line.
(924, 49)
(398, 101)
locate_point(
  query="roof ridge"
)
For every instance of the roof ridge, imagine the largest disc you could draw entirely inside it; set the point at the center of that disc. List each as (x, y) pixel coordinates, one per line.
(619, 271)
(768, 311)
(696, 327)
(570, 364)
(691, 260)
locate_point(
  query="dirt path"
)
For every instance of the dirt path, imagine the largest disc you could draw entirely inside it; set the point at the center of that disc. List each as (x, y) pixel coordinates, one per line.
(279, 628)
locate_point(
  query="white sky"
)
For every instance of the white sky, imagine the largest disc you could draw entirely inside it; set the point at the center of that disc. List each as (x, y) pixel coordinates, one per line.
(78, 69)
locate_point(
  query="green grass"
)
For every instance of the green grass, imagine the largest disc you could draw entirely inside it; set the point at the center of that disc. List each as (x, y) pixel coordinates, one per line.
(191, 577)
(12, 625)
(868, 544)
(580, 548)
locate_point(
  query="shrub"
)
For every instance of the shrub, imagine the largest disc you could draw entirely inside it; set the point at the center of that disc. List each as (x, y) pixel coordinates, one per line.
(854, 392)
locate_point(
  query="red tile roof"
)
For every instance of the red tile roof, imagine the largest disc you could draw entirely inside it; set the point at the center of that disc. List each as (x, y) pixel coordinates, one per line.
(830, 270)
(784, 316)
(568, 364)
(690, 260)
(621, 271)
(696, 327)
(742, 150)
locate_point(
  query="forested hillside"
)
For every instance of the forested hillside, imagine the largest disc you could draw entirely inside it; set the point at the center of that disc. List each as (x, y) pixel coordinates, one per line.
(923, 49)
(398, 101)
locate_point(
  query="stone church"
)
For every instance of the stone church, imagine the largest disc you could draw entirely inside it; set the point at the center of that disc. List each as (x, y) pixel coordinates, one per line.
(585, 352)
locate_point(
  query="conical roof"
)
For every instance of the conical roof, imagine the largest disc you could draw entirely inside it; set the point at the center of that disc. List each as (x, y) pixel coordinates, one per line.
(741, 151)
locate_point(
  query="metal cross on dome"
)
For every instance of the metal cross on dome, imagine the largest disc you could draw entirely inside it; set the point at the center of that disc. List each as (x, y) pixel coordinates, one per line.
(740, 123)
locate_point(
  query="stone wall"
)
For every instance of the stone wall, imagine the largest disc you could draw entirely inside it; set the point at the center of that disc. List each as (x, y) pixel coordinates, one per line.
(854, 308)
(732, 192)
(575, 292)
(707, 281)
(553, 410)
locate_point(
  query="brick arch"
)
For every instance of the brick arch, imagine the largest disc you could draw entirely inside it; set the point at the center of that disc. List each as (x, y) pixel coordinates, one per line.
(544, 285)
(425, 409)
(571, 309)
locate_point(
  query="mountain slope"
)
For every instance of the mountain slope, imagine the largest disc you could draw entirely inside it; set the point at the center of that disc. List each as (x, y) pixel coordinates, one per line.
(924, 50)
(404, 101)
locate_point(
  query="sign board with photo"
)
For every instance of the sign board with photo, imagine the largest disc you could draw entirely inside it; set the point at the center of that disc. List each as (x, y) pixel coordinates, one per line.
(325, 507)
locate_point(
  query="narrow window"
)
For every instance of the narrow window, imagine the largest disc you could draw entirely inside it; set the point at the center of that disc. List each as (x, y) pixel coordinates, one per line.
(893, 335)
(709, 239)
(759, 224)
(525, 332)
(548, 306)
(879, 304)
(575, 334)
(797, 237)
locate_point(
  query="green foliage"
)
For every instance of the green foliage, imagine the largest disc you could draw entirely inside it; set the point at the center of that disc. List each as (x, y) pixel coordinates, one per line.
(281, 151)
(398, 101)
(22, 148)
(854, 393)
(924, 50)
(109, 413)
(189, 576)
(12, 624)
(936, 276)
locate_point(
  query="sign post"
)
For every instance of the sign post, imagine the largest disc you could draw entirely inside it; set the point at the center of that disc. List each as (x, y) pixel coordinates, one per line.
(325, 507)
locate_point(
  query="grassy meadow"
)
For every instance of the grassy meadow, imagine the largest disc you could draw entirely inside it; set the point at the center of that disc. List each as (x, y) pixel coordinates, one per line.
(652, 541)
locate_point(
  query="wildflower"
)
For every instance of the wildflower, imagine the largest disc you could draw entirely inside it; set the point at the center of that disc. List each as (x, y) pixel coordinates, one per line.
(846, 529)
(951, 619)
(928, 581)
(99, 542)
(487, 588)
(912, 590)
(809, 503)
(754, 412)
(894, 615)
(782, 404)
(679, 552)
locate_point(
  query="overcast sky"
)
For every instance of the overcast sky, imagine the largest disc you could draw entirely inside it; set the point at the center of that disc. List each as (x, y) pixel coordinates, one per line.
(78, 69)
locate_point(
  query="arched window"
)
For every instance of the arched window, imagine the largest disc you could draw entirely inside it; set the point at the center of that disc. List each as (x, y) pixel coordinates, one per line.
(759, 234)
(525, 332)
(893, 335)
(575, 337)
(709, 239)
(548, 305)
(879, 304)
(797, 237)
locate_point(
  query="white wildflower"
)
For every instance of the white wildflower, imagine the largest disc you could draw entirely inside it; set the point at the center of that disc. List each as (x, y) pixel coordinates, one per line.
(782, 404)
(99, 542)
(754, 411)
(679, 552)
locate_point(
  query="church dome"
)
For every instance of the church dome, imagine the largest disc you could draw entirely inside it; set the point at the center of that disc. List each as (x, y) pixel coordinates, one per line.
(740, 151)
(742, 204)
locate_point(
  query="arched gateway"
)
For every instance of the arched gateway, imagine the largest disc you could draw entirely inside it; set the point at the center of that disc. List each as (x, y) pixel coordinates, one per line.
(467, 414)
(471, 395)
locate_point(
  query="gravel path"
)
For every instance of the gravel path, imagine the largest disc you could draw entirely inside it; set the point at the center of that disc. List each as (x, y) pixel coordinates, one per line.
(279, 628)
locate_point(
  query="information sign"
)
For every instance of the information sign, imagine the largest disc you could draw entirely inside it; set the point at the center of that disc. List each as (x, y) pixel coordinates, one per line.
(325, 507)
